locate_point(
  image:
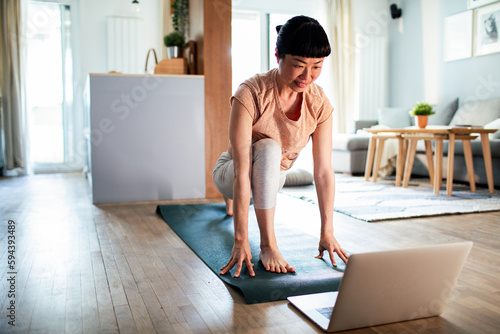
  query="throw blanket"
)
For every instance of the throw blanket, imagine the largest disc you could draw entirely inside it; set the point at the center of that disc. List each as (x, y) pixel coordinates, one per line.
(389, 153)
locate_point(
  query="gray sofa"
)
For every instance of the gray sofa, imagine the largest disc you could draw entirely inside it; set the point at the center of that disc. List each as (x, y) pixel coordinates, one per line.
(349, 150)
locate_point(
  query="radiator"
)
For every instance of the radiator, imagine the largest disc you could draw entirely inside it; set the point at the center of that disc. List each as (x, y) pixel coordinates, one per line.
(372, 75)
(124, 44)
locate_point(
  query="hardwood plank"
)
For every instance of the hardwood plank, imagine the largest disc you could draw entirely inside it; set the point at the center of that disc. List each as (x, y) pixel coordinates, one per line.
(207, 314)
(182, 329)
(116, 285)
(26, 285)
(107, 318)
(44, 301)
(126, 277)
(73, 318)
(113, 276)
(126, 323)
(172, 312)
(26, 305)
(90, 313)
(140, 314)
(143, 272)
(88, 245)
(194, 320)
(57, 308)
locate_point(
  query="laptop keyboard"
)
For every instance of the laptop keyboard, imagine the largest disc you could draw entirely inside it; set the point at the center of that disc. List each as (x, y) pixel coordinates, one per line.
(326, 311)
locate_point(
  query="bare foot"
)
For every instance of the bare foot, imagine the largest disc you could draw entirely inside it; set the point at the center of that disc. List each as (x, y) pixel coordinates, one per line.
(229, 206)
(274, 262)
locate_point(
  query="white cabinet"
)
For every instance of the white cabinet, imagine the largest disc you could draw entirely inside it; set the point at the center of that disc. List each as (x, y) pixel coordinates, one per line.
(147, 135)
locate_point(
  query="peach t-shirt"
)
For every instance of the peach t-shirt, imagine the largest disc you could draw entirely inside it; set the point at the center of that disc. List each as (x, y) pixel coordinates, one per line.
(259, 96)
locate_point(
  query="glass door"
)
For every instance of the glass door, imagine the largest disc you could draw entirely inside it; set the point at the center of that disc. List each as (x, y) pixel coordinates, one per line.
(49, 87)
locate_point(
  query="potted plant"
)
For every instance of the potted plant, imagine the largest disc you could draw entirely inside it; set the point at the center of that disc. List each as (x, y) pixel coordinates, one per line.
(180, 20)
(180, 16)
(174, 42)
(422, 111)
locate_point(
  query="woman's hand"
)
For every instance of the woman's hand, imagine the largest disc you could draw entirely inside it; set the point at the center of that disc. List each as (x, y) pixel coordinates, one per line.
(240, 254)
(330, 244)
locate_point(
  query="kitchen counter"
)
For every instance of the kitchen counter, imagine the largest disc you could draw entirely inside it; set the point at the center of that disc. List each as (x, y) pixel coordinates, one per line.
(147, 137)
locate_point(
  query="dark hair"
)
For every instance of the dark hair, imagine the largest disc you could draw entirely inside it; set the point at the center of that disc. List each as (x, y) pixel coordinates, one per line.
(302, 36)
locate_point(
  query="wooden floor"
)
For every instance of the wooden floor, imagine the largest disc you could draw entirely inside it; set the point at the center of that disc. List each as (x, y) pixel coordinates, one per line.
(120, 268)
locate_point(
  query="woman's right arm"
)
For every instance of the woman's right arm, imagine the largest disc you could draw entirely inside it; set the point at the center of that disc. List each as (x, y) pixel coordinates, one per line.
(240, 136)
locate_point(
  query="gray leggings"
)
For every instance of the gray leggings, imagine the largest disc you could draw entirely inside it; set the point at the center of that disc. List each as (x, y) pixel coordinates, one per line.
(267, 178)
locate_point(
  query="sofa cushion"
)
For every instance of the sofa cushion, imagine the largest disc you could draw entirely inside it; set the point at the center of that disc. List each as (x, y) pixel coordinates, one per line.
(350, 142)
(477, 113)
(494, 125)
(495, 149)
(477, 149)
(444, 113)
(394, 117)
(361, 124)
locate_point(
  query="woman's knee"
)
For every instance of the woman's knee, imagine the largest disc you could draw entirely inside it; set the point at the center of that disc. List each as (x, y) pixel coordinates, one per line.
(223, 175)
(268, 149)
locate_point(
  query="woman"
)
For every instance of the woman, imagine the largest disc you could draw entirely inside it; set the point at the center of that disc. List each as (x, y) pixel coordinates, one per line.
(272, 117)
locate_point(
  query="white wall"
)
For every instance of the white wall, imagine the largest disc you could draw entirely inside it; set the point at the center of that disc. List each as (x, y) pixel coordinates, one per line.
(370, 16)
(93, 32)
(417, 68)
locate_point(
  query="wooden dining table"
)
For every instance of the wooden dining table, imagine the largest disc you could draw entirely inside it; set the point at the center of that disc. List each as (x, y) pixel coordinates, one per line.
(407, 140)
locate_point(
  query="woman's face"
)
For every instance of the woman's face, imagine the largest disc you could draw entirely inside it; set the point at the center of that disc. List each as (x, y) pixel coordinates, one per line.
(299, 72)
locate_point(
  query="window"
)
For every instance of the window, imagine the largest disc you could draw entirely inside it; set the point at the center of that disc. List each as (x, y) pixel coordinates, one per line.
(246, 46)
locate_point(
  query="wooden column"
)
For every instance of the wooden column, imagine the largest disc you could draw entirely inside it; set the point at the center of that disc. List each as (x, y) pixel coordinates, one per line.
(217, 69)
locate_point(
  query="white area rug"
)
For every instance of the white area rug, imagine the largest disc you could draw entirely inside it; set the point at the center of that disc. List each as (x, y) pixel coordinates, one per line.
(372, 202)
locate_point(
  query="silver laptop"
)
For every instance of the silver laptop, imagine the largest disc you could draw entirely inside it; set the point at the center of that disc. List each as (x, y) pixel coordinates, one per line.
(389, 286)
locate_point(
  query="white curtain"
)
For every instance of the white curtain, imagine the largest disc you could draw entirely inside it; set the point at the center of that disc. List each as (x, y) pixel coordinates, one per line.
(13, 115)
(341, 33)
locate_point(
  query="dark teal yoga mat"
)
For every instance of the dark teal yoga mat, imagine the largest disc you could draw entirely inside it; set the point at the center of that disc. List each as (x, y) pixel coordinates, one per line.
(207, 230)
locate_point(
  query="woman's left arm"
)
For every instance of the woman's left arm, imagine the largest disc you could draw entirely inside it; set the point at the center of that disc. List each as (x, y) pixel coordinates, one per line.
(324, 179)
